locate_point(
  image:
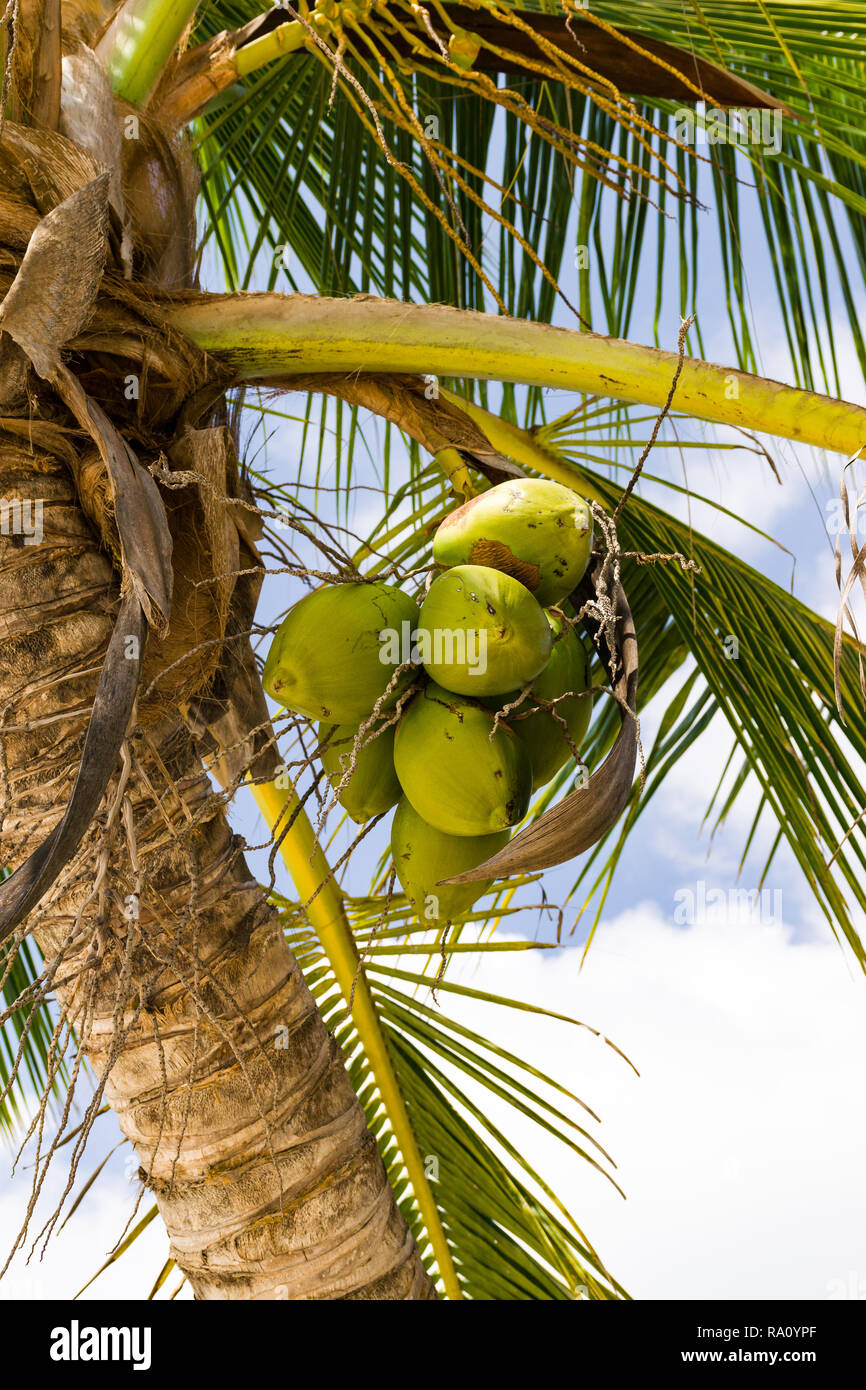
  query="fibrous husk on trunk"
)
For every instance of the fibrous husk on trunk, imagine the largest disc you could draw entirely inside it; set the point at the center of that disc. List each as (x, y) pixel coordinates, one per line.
(133, 397)
(173, 968)
(35, 62)
(161, 948)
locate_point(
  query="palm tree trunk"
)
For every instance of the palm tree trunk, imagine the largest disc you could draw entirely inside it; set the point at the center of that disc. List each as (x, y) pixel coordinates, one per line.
(172, 965)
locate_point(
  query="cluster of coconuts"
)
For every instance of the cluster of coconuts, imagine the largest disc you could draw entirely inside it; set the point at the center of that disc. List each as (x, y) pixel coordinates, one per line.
(488, 627)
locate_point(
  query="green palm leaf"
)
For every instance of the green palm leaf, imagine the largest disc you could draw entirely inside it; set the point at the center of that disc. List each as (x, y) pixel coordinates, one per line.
(369, 230)
(28, 1066)
(489, 1194)
(777, 695)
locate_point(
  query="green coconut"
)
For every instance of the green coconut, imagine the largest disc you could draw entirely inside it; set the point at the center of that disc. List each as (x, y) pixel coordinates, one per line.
(330, 660)
(538, 531)
(456, 777)
(423, 855)
(481, 632)
(373, 787)
(541, 734)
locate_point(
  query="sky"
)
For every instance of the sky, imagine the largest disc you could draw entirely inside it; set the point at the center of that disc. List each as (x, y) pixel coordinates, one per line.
(740, 1144)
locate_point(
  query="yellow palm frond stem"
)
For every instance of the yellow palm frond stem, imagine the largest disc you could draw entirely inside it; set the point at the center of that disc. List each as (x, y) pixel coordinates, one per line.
(522, 446)
(326, 913)
(268, 336)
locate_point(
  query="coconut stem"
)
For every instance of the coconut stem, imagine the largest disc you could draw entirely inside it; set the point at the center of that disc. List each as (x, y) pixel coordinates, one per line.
(286, 38)
(138, 43)
(326, 912)
(522, 446)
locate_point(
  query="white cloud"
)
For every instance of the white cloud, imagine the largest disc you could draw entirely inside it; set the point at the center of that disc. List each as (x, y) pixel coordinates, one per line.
(740, 1147)
(76, 1253)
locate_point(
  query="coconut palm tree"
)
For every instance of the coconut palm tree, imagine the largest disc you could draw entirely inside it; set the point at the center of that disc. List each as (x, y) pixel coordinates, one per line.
(416, 181)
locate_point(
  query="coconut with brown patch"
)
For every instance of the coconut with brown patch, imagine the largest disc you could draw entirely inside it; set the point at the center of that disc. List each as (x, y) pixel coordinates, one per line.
(535, 530)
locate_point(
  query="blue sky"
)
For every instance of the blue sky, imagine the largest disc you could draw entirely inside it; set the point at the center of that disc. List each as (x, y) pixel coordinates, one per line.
(740, 1146)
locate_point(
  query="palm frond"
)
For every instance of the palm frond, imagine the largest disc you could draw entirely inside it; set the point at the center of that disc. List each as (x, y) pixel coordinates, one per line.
(776, 694)
(28, 1031)
(509, 1235)
(386, 226)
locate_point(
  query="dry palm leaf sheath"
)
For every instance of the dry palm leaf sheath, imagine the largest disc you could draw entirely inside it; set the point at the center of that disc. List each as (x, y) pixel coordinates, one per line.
(284, 1082)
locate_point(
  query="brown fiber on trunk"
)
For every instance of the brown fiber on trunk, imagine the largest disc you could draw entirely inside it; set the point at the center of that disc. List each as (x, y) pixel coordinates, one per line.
(161, 949)
(266, 1176)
